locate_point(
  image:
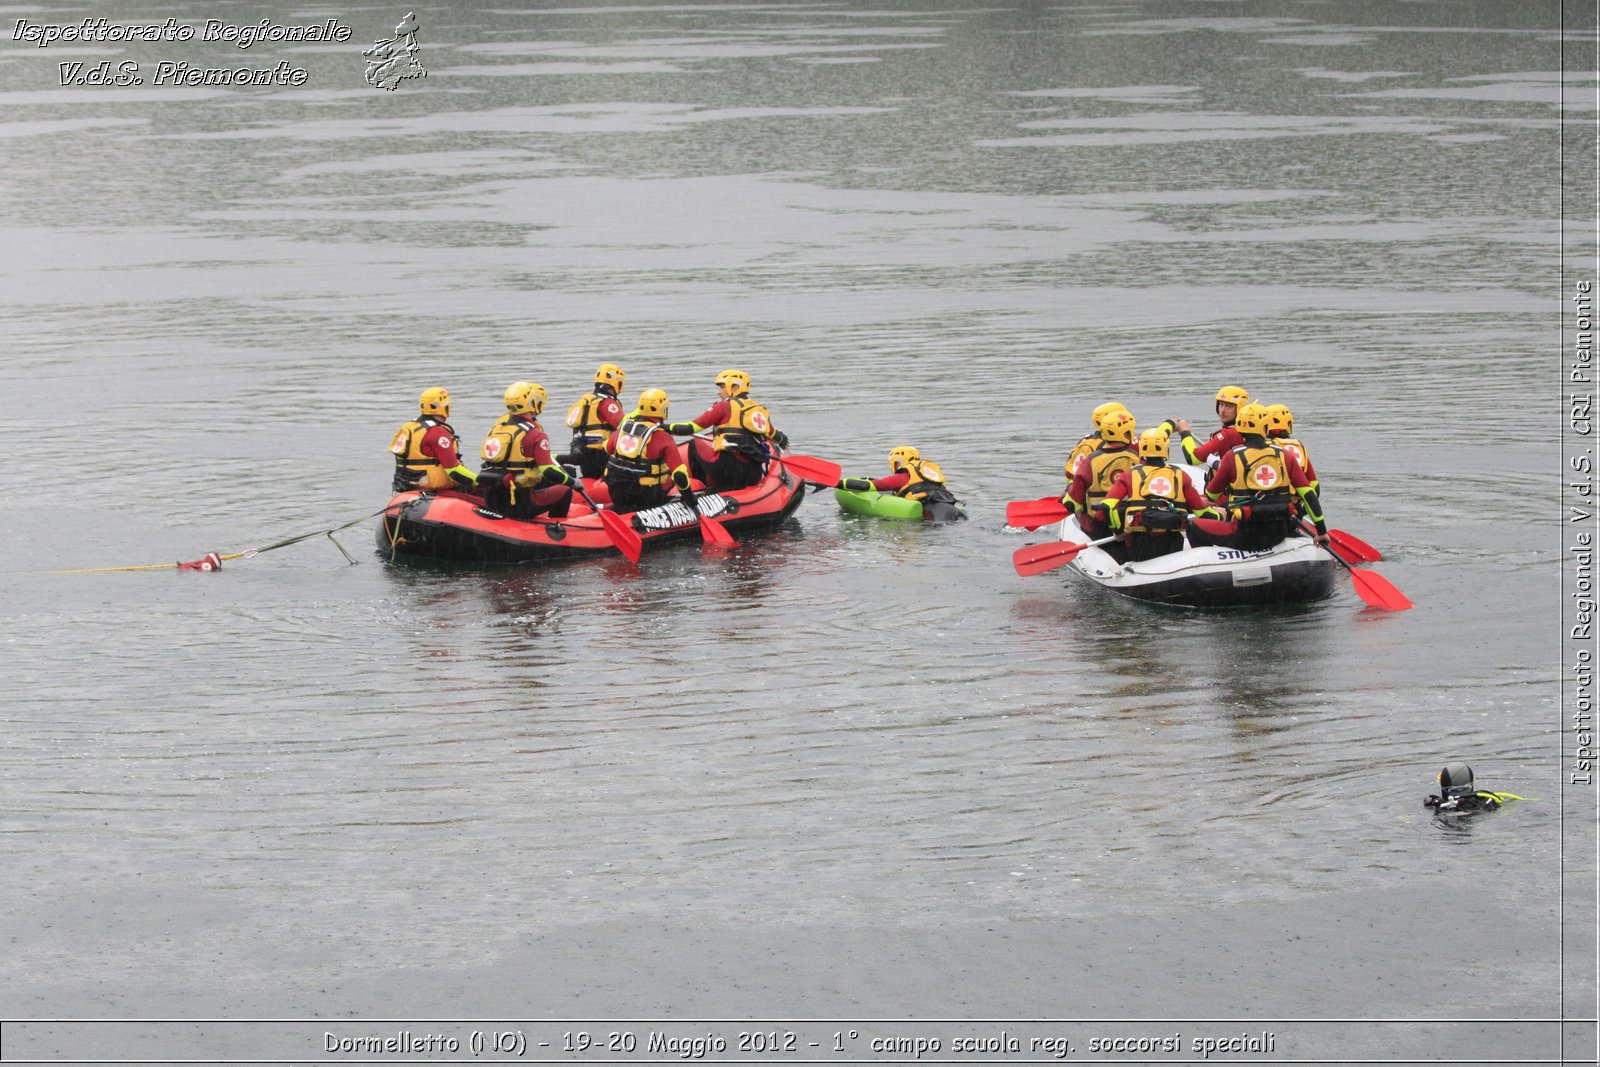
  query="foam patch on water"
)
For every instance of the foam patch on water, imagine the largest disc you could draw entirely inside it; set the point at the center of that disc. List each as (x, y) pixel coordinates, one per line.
(27, 98)
(557, 119)
(1321, 40)
(50, 127)
(1179, 127)
(686, 48)
(1144, 94)
(524, 70)
(1572, 98)
(1353, 75)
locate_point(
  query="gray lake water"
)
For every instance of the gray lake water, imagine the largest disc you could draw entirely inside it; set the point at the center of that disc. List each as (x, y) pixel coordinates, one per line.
(850, 770)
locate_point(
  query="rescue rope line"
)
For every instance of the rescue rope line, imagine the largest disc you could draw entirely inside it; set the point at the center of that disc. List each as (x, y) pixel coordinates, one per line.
(393, 529)
(213, 560)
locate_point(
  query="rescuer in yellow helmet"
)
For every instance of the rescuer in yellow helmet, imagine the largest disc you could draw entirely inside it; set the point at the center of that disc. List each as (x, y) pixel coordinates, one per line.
(520, 477)
(742, 436)
(1280, 431)
(1263, 488)
(427, 452)
(1151, 501)
(644, 459)
(596, 414)
(1098, 470)
(914, 478)
(1230, 398)
(1090, 441)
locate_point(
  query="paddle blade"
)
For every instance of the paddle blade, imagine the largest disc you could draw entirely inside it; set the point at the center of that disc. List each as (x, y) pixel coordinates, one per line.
(1213, 526)
(1032, 514)
(622, 535)
(1036, 559)
(1378, 591)
(1343, 553)
(812, 469)
(715, 534)
(1354, 547)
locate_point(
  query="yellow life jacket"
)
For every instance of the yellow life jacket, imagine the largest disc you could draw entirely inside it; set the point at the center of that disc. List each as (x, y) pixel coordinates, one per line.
(589, 430)
(746, 426)
(421, 471)
(502, 449)
(1104, 466)
(628, 462)
(1149, 486)
(1080, 450)
(924, 481)
(1258, 470)
(1293, 446)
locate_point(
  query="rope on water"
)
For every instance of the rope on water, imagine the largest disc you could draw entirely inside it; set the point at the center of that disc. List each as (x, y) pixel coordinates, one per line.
(212, 561)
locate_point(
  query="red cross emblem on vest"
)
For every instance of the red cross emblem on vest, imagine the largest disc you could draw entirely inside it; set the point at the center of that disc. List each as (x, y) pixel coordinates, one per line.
(1161, 485)
(759, 421)
(627, 444)
(1265, 477)
(491, 448)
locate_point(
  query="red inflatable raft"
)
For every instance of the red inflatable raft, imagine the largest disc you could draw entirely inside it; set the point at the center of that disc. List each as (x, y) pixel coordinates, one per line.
(456, 526)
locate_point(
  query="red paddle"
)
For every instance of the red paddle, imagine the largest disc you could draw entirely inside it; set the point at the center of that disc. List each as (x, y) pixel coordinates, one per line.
(715, 534)
(622, 535)
(615, 526)
(1354, 546)
(1371, 587)
(712, 532)
(1348, 547)
(1036, 559)
(812, 469)
(1032, 514)
(1375, 589)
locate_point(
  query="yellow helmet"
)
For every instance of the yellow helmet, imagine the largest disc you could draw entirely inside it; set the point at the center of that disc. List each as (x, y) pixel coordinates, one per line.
(612, 375)
(525, 398)
(1099, 414)
(652, 404)
(737, 381)
(1153, 444)
(1280, 421)
(436, 401)
(1252, 419)
(1117, 428)
(1232, 394)
(902, 457)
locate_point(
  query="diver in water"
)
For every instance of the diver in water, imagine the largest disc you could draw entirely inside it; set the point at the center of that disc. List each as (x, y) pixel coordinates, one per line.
(1457, 795)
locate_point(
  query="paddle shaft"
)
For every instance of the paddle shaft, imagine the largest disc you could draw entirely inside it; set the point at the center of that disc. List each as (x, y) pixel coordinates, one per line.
(1347, 545)
(577, 485)
(1032, 514)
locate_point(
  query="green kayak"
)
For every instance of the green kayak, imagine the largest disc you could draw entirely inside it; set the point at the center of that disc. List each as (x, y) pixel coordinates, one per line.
(882, 505)
(888, 506)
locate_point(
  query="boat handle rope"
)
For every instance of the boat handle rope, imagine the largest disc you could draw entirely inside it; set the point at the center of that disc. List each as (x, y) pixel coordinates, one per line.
(213, 561)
